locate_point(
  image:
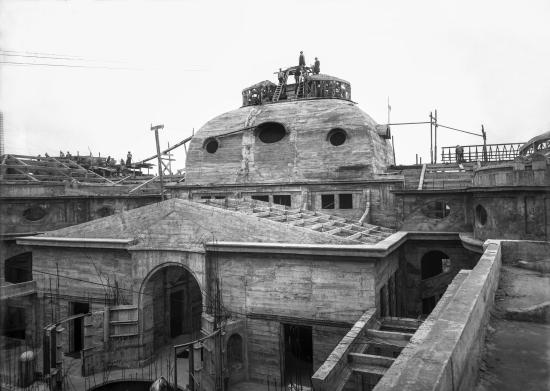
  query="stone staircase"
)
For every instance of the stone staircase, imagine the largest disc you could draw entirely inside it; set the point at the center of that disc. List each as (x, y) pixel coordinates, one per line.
(351, 230)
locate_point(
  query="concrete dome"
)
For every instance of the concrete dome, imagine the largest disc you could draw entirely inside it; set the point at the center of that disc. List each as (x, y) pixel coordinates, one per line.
(303, 141)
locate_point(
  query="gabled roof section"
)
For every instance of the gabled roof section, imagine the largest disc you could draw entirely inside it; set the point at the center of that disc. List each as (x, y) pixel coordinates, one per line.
(183, 224)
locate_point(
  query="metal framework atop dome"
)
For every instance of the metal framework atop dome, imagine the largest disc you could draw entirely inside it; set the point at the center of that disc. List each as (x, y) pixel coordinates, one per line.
(307, 85)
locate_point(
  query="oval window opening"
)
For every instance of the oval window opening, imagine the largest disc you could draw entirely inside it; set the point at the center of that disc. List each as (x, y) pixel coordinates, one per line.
(212, 146)
(337, 137)
(481, 215)
(271, 132)
(34, 213)
(436, 210)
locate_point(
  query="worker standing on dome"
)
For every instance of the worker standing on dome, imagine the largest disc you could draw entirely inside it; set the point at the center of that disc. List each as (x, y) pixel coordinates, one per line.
(317, 66)
(301, 60)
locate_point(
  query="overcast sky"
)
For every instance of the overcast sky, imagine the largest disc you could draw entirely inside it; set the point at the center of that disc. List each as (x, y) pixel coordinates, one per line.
(180, 63)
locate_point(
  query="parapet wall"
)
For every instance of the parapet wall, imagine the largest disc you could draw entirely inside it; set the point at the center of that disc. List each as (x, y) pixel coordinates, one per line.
(447, 356)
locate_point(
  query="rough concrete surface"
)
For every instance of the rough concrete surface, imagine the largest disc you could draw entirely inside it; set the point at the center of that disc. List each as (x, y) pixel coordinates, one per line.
(517, 353)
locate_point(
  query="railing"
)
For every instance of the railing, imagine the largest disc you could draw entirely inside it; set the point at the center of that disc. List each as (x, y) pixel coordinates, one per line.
(482, 153)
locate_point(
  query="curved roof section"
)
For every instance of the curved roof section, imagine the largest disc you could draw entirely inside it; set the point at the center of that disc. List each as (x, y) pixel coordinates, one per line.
(303, 155)
(537, 139)
(322, 76)
(265, 83)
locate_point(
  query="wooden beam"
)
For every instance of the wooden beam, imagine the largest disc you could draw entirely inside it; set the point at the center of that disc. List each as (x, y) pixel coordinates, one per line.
(143, 184)
(26, 174)
(389, 335)
(421, 181)
(361, 359)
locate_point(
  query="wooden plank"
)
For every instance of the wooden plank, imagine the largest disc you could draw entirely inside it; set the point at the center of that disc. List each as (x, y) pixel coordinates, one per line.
(421, 181)
(364, 360)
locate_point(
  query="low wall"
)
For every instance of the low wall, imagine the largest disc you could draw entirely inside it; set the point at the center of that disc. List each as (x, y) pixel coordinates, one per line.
(448, 356)
(522, 250)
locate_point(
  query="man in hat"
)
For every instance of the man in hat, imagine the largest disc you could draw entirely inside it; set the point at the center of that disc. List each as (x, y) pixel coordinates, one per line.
(317, 66)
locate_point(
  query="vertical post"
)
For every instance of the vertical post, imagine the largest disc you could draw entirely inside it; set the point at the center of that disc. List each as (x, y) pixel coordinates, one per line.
(431, 138)
(484, 143)
(393, 148)
(159, 158)
(435, 137)
(191, 367)
(175, 368)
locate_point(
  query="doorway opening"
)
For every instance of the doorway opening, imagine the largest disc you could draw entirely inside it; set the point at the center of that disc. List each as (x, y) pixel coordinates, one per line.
(298, 351)
(77, 325)
(171, 301)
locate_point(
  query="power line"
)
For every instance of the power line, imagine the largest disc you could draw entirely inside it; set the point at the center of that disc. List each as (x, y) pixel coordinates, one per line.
(459, 130)
(64, 65)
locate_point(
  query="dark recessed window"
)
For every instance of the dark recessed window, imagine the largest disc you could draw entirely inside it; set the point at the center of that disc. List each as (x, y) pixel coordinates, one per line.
(436, 209)
(327, 201)
(264, 198)
(211, 145)
(34, 213)
(282, 199)
(346, 201)
(105, 211)
(432, 264)
(207, 197)
(271, 132)
(481, 215)
(428, 304)
(219, 197)
(337, 137)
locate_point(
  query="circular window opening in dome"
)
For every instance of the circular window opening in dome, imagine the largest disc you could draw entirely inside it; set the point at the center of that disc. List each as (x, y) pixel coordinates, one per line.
(34, 213)
(271, 132)
(337, 137)
(481, 215)
(211, 145)
(436, 209)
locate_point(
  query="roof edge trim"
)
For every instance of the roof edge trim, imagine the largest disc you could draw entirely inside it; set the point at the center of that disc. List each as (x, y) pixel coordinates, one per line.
(52, 241)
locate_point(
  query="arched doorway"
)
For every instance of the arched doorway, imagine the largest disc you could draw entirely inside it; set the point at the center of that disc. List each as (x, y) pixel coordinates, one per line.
(18, 268)
(170, 304)
(433, 263)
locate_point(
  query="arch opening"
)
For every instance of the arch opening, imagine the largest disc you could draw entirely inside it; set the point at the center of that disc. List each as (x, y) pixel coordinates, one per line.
(171, 304)
(18, 268)
(271, 132)
(433, 263)
(235, 353)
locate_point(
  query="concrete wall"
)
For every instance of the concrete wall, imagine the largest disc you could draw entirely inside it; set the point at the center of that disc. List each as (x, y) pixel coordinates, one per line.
(521, 214)
(445, 354)
(62, 212)
(379, 194)
(326, 293)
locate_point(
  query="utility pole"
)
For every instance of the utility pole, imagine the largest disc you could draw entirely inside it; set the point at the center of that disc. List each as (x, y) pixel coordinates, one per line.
(159, 156)
(484, 135)
(435, 138)
(431, 138)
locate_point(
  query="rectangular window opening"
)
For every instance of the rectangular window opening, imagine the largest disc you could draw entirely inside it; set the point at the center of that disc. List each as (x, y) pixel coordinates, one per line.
(264, 198)
(327, 201)
(282, 199)
(346, 201)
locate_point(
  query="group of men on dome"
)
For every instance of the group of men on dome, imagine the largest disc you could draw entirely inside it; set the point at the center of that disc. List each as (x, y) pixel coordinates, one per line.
(305, 86)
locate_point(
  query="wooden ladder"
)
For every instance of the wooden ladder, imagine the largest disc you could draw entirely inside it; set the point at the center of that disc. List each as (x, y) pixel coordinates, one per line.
(279, 89)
